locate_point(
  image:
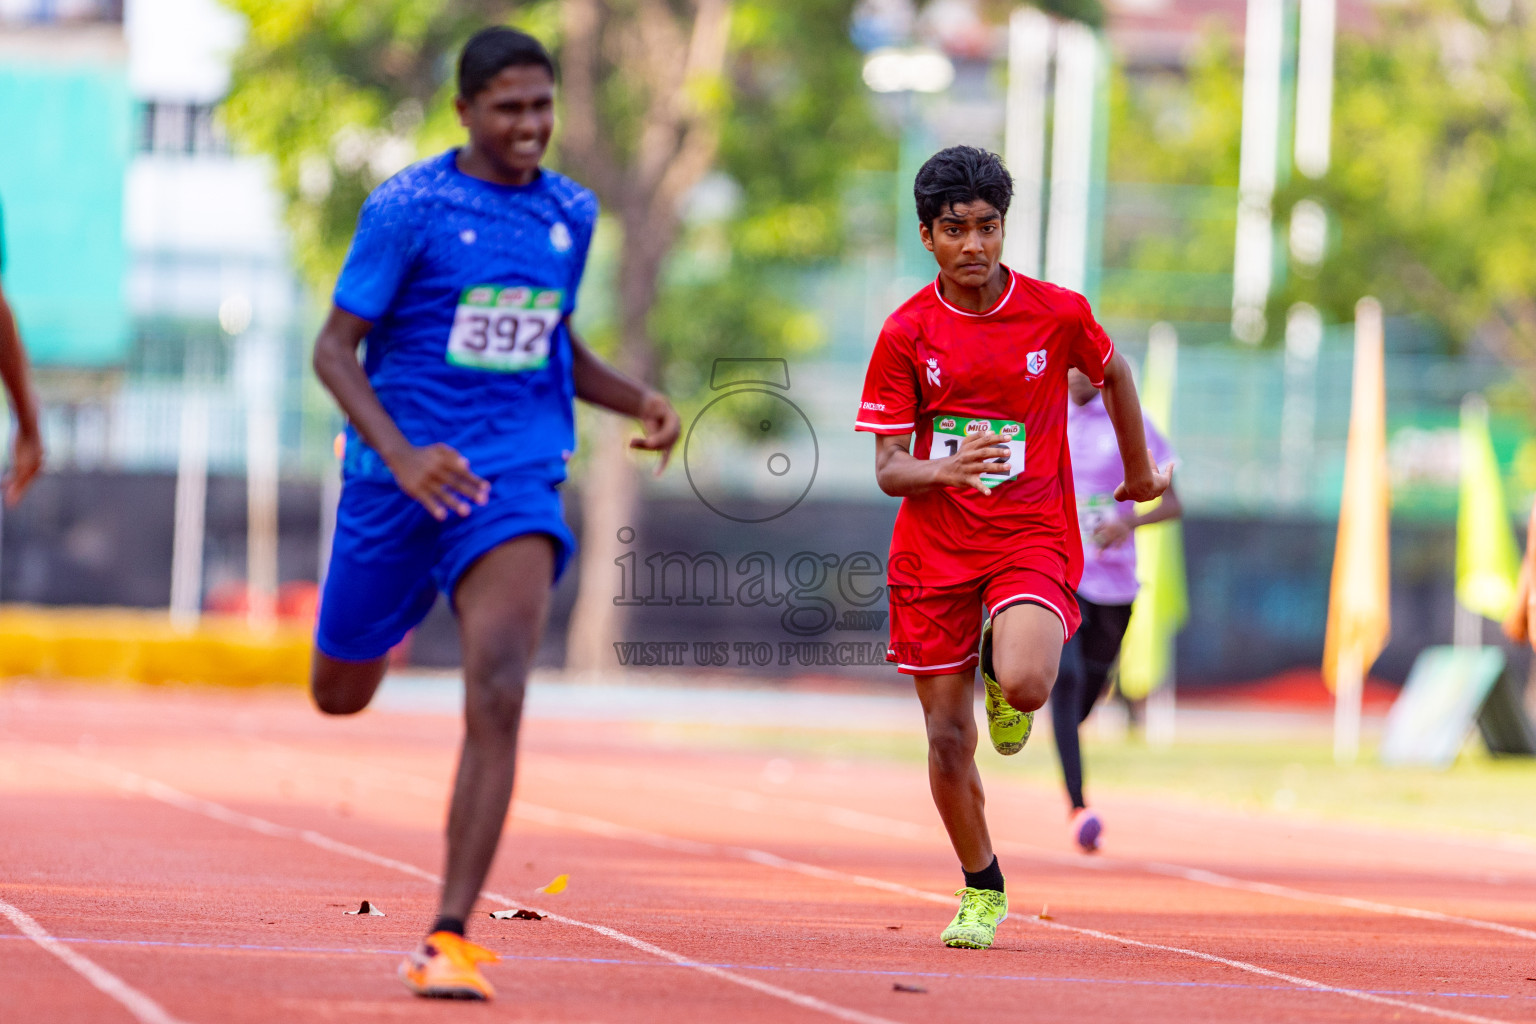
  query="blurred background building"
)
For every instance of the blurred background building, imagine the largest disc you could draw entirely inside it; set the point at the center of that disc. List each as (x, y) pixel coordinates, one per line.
(149, 269)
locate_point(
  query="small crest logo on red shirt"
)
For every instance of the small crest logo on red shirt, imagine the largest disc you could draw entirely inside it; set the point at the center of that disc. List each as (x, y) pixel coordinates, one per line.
(1035, 362)
(933, 373)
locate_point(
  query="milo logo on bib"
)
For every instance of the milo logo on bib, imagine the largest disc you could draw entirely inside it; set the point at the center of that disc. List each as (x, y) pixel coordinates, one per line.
(506, 330)
(948, 433)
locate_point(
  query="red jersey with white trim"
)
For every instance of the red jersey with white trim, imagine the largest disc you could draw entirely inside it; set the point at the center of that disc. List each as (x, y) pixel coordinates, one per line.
(943, 372)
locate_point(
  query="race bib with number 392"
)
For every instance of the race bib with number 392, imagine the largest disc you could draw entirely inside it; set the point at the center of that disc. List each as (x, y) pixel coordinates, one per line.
(950, 431)
(508, 330)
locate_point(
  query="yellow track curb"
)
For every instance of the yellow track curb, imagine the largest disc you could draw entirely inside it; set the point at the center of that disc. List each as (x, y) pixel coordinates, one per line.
(137, 645)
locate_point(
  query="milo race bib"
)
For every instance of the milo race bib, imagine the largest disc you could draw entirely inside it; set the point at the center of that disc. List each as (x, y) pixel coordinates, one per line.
(949, 431)
(1093, 511)
(508, 330)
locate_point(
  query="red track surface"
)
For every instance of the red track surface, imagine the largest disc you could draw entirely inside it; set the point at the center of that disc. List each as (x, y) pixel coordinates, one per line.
(200, 848)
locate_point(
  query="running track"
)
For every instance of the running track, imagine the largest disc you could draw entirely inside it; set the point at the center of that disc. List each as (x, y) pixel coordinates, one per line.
(186, 856)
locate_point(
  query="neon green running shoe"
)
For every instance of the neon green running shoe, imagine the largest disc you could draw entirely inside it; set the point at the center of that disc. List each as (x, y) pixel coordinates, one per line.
(975, 925)
(1007, 726)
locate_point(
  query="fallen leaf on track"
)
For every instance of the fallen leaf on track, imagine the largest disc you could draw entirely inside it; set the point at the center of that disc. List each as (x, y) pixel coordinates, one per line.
(555, 886)
(517, 915)
(899, 987)
(893, 927)
(367, 910)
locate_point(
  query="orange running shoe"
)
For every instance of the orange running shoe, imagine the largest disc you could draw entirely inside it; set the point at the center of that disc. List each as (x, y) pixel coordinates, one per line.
(445, 966)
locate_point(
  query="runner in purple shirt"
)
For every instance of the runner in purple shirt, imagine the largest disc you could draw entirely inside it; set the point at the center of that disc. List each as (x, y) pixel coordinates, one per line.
(1109, 583)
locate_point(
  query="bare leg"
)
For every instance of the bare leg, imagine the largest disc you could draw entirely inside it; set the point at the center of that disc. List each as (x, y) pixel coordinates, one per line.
(344, 687)
(501, 602)
(1026, 651)
(950, 713)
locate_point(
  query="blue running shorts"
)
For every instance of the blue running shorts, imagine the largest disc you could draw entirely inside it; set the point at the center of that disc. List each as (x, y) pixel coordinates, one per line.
(390, 558)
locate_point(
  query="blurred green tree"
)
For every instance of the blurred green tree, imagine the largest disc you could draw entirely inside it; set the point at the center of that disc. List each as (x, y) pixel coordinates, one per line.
(1429, 200)
(1173, 158)
(1180, 126)
(776, 109)
(777, 205)
(341, 94)
(763, 99)
(1089, 12)
(1431, 193)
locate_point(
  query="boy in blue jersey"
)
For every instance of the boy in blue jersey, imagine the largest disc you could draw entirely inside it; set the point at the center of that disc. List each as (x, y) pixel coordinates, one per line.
(462, 277)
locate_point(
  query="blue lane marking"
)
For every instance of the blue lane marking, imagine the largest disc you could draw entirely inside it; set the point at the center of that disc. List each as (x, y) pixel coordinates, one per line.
(1044, 979)
(159, 943)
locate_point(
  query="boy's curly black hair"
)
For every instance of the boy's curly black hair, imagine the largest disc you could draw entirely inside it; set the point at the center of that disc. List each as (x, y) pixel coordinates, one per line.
(961, 174)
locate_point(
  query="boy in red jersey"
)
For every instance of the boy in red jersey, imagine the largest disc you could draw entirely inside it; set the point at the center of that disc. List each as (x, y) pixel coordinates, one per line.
(986, 551)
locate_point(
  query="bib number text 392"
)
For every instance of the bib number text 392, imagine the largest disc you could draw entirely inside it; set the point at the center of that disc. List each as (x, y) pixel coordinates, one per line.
(508, 330)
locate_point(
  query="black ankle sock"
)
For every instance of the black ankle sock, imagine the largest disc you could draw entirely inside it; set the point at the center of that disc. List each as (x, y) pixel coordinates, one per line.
(456, 924)
(989, 877)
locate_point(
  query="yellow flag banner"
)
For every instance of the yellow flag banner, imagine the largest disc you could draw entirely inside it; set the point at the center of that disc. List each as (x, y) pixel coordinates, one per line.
(1146, 656)
(1359, 619)
(1487, 557)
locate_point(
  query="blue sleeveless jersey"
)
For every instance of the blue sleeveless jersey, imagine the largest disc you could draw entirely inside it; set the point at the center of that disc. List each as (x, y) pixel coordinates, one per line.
(467, 284)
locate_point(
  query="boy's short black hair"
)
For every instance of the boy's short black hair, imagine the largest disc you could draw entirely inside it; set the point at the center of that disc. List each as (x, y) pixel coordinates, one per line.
(961, 174)
(493, 49)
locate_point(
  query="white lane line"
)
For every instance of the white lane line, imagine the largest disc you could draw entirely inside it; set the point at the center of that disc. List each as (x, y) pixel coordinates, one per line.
(134, 783)
(788, 995)
(877, 824)
(144, 1009)
(596, 826)
(612, 830)
(1316, 986)
(881, 825)
(1287, 892)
